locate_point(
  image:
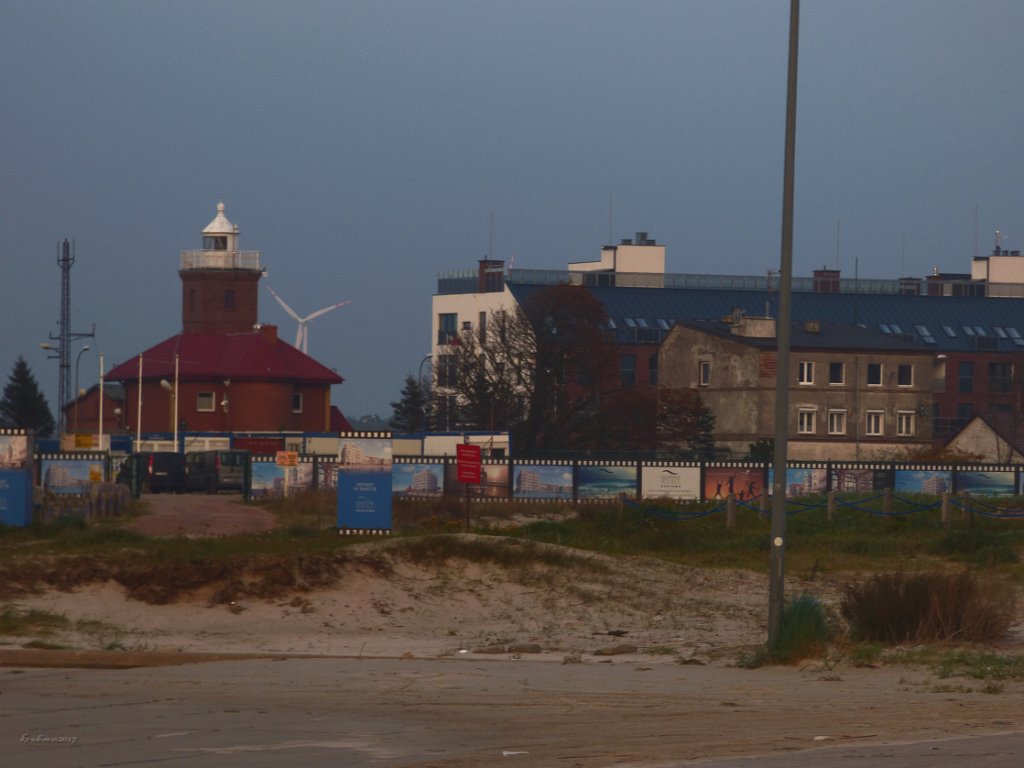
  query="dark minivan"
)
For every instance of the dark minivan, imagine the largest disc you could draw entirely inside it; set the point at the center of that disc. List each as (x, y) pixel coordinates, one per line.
(154, 472)
(217, 470)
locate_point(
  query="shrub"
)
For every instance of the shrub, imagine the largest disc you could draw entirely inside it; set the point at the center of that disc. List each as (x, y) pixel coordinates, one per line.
(803, 631)
(896, 608)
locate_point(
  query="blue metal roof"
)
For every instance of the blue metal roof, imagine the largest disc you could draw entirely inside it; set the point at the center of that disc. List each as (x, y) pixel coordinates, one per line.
(995, 324)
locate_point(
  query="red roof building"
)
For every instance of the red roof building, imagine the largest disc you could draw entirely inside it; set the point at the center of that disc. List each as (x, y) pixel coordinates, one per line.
(227, 372)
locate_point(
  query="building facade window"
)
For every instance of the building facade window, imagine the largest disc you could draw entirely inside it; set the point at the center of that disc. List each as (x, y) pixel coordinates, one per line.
(874, 374)
(905, 423)
(627, 370)
(873, 423)
(205, 401)
(704, 373)
(296, 402)
(1000, 377)
(965, 376)
(904, 375)
(806, 421)
(652, 370)
(836, 373)
(447, 327)
(229, 298)
(837, 422)
(805, 372)
(445, 370)
(964, 412)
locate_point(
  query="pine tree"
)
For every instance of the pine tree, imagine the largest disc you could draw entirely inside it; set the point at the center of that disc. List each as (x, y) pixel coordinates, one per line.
(410, 413)
(24, 406)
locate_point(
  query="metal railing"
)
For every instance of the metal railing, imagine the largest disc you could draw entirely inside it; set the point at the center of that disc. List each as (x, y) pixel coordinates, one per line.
(248, 260)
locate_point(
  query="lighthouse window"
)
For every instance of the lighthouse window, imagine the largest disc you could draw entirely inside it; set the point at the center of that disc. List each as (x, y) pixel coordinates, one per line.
(296, 402)
(215, 243)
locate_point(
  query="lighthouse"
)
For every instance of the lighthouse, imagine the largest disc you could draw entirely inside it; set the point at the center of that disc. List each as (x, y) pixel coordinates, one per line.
(219, 282)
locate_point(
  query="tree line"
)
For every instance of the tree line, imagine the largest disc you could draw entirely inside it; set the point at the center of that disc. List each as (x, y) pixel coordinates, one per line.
(23, 405)
(548, 373)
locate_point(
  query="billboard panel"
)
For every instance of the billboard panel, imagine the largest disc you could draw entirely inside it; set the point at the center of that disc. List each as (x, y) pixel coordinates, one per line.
(364, 482)
(670, 482)
(605, 481)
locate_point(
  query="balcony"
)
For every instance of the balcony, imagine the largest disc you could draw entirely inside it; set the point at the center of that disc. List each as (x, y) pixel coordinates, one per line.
(204, 260)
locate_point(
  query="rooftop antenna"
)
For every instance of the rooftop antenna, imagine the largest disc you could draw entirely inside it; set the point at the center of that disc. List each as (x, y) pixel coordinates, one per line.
(903, 256)
(302, 335)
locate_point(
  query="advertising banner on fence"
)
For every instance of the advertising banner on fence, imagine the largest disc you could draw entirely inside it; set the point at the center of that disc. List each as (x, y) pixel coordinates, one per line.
(745, 483)
(364, 482)
(542, 480)
(493, 481)
(15, 478)
(419, 479)
(670, 482)
(273, 479)
(605, 480)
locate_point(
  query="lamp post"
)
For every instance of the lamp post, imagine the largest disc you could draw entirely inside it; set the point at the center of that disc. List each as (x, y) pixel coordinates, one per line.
(173, 389)
(78, 394)
(55, 348)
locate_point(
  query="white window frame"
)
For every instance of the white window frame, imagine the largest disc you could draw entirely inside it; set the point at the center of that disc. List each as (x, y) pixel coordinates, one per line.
(837, 421)
(703, 373)
(805, 372)
(206, 402)
(298, 403)
(881, 375)
(807, 421)
(874, 419)
(906, 423)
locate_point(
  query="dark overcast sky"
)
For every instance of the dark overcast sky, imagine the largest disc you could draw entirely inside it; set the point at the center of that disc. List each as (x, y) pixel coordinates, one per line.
(363, 146)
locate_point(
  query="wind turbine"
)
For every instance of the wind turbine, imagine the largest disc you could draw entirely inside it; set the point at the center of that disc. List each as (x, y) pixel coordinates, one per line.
(302, 336)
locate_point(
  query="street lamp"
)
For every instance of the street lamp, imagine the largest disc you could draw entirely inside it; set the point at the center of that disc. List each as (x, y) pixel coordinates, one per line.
(173, 389)
(78, 394)
(55, 348)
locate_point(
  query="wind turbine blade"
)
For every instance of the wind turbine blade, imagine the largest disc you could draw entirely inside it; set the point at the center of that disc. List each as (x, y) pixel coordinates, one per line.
(324, 311)
(294, 315)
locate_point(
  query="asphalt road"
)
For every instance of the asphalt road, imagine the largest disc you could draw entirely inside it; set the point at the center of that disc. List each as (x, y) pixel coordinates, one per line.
(460, 712)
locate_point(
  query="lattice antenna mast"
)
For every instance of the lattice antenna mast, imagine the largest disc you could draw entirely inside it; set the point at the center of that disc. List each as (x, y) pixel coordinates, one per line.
(65, 260)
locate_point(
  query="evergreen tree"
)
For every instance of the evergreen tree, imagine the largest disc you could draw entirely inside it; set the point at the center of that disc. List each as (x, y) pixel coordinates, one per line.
(410, 412)
(24, 406)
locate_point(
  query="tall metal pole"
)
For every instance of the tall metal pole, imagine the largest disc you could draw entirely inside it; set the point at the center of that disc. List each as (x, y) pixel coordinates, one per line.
(99, 429)
(176, 403)
(776, 591)
(65, 335)
(138, 420)
(65, 260)
(78, 359)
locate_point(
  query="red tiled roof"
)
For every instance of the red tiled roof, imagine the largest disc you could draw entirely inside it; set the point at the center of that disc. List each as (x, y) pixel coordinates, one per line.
(242, 356)
(338, 421)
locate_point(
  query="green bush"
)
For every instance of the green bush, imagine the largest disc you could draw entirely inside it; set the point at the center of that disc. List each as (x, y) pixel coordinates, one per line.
(803, 631)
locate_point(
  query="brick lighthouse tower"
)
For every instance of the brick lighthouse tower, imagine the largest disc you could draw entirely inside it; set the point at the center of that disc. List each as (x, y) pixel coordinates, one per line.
(219, 282)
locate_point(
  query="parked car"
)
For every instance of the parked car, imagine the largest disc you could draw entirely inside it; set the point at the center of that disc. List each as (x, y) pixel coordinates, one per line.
(154, 472)
(217, 470)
